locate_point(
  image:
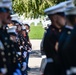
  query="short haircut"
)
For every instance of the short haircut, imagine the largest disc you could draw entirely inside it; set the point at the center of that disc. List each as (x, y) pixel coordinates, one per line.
(27, 25)
(71, 18)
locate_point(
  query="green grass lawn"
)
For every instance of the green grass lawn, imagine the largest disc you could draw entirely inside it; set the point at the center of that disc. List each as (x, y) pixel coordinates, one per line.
(36, 32)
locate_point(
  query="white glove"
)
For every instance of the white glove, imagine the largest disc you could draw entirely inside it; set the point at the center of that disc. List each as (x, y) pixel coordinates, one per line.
(25, 54)
(18, 72)
(15, 73)
(19, 53)
(3, 70)
(24, 66)
(20, 47)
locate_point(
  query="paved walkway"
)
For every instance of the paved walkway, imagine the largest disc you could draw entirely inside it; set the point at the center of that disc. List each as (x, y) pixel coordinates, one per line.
(36, 44)
(35, 58)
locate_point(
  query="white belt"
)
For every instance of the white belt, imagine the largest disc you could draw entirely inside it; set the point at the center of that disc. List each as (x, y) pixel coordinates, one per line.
(73, 70)
(49, 60)
(43, 56)
(3, 70)
(24, 54)
(68, 72)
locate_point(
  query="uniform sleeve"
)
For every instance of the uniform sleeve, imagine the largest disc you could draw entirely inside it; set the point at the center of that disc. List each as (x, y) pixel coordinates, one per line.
(70, 44)
(48, 46)
(3, 69)
(1, 63)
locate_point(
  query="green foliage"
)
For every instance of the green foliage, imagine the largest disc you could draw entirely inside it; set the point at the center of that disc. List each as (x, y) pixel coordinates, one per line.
(33, 8)
(19, 7)
(36, 31)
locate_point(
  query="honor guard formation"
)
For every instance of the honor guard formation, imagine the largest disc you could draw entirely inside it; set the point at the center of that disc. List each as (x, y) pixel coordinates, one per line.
(15, 45)
(59, 40)
(58, 43)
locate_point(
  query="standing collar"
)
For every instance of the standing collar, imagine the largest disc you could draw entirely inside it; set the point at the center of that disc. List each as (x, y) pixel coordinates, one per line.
(69, 27)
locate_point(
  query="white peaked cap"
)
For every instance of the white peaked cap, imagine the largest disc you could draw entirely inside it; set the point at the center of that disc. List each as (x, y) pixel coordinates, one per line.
(67, 4)
(25, 22)
(71, 8)
(23, 27)
(12, 29)
(6, 4)
(70, 11)
(70, 3)
(61, 7)
(14, 17)
(55, 9)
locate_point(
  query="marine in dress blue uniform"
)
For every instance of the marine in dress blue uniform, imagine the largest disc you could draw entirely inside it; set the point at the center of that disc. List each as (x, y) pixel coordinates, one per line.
(22, 47)
(25, 32)
(8, 64)
(68, 49)
(56, 14)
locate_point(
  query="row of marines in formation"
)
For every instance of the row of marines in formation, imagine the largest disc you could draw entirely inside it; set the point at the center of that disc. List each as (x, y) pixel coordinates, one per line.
(59, 42)
(14, 43)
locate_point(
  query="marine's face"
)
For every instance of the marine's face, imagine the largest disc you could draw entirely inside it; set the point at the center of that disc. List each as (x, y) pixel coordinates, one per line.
(23, 33)
(6, 19)
(61, 20)
(19, 28)
(27, 29)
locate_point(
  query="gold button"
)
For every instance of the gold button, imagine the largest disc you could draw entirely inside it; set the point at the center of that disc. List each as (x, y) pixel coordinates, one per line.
(9, 54)
(13, 52)
(2, 53)
(14, 58)
(14, 61)
(69, 32)
(12, 45)
(4, 59)
(6, 38)
(59, 30)
(5, 65)
(20, 61)
(8, 46)
(16, 55)
(5, 43)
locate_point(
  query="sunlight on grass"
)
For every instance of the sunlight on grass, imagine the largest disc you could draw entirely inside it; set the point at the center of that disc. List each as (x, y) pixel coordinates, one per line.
(36, 32)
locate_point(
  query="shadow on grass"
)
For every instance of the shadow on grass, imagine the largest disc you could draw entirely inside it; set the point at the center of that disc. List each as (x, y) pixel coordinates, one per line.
(35, 54)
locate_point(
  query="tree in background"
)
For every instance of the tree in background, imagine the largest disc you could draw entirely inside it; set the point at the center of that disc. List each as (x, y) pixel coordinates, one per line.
(32, 8)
